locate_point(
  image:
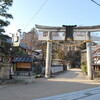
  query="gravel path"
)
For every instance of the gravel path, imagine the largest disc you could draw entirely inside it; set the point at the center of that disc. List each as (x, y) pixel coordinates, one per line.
(69, 81)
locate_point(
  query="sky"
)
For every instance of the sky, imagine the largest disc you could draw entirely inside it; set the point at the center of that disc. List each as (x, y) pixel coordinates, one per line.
(53, 13)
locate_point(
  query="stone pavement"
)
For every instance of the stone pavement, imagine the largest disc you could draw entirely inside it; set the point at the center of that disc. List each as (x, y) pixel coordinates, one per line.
(88, 94)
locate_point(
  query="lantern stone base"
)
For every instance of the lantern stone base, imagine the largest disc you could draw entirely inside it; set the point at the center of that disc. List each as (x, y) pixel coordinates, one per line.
(4, 73)
(25, 79)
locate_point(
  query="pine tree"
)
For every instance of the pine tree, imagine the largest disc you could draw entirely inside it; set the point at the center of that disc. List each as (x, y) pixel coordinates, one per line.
(4, 7)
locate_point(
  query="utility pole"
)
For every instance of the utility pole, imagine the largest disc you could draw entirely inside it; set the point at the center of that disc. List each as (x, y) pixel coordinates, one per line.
(89, 56)
(48, 57)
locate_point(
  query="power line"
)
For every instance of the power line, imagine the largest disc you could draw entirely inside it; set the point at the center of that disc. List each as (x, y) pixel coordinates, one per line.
(35, 14)
(95, 2)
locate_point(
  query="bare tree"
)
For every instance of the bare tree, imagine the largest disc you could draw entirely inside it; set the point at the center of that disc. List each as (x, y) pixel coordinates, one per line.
(31, 39)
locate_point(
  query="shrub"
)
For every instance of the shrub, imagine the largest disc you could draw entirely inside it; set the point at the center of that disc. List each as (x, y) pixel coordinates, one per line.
(97, 73)
(84, 67)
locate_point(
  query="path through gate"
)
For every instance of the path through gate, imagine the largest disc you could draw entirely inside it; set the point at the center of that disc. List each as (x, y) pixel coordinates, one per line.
(49, 34)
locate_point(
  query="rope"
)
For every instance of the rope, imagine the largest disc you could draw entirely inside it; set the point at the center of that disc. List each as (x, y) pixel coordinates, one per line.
(86, 41)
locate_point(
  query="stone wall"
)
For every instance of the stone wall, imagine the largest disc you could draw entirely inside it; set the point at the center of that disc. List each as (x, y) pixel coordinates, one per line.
(4, 72)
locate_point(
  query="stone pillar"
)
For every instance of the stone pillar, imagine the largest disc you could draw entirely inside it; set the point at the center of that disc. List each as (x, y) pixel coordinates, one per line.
(4, 72)
(75, 48)
(89, 56)
(48, 57)
(68, 48)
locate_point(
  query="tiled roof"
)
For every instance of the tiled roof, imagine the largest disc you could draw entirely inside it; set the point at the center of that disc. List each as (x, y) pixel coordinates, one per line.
(25, 59)
(22, 59)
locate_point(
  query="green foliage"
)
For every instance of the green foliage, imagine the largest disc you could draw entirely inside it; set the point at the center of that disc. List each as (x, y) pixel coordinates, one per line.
(3, 45)
(4, 7)
(16, 51)
(4, 37)
(97, 73)
(6, 49)
(84, 67)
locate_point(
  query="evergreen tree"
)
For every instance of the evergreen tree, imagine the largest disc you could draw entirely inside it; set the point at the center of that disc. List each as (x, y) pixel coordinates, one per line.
(4, 7)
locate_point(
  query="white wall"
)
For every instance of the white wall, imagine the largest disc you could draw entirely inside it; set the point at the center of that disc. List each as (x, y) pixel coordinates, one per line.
(54, 69)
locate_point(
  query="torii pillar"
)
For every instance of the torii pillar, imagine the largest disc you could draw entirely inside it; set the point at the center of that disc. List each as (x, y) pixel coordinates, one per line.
(89, 57)
(48, 56)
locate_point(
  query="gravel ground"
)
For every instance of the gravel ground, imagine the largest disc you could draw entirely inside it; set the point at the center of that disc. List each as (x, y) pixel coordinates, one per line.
(69, 81)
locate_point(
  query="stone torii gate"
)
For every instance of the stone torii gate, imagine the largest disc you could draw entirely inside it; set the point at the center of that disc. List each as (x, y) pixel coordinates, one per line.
(86, 29)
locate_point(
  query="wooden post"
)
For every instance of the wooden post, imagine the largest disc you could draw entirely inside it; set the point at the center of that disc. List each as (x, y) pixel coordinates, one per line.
(48, 57)
(89, 56)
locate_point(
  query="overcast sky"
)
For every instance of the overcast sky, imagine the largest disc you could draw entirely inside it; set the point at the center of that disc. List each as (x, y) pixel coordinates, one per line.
(53, 13)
